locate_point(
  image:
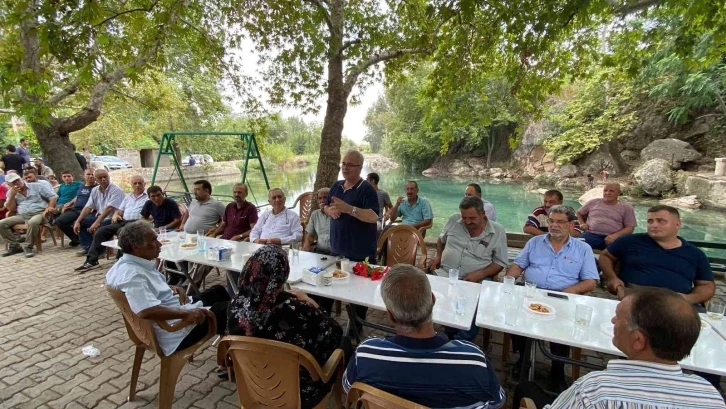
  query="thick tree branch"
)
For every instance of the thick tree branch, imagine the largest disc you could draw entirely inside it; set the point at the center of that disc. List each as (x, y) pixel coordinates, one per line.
(117, 15)
(356, 71)
(626, 8)
(64, 93)
(348, 44)
(320, 4)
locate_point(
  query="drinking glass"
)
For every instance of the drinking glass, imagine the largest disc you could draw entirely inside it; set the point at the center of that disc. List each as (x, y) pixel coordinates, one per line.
(460, 304)
(716, 309)
(295, 250)
(530, 289)
(201, 242)
(182, 236)
(162, 233)
(346, 265)
(511, 310)
(508, 284)
(453, 276)
(583, 315)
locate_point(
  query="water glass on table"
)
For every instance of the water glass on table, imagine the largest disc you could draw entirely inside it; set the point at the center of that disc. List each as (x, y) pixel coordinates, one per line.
(716, 309)
(295, 248)
(162, 233)
(583, 315)
(453, 276)
(460, 301)
(530, 289)
(511, 310)
(508, 286)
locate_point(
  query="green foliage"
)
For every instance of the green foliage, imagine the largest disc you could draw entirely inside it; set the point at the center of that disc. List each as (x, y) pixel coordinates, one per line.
(599, 112)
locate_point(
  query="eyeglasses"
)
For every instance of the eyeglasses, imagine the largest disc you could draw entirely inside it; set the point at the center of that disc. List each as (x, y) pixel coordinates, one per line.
(349, 165)
(557, 222)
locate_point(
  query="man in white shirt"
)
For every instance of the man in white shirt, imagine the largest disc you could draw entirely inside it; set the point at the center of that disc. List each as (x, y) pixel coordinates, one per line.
(152, 299)
(129, 211)
(278, 225)
(655, 328)
(105, 199)
(473, 189)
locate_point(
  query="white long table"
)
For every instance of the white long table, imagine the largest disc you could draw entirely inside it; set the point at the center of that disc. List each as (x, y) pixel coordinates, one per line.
(708, 355)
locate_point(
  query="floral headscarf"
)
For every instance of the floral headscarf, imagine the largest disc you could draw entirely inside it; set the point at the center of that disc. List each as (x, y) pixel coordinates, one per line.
(259, 286)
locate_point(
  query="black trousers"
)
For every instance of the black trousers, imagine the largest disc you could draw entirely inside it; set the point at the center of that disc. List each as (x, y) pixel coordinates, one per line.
(531, 390)
(65, 223)
(104, 233)
(558, 368)
(217, 298)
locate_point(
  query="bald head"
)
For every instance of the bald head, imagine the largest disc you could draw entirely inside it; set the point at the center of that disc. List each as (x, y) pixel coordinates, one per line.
(610, 193)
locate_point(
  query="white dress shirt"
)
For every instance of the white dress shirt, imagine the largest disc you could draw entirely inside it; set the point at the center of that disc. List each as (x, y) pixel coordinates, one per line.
(284, 226)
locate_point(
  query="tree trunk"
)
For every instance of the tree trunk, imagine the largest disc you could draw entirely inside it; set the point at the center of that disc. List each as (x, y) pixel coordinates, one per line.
(490, 147)
(330, 140)
(614, 150)
(57, 149)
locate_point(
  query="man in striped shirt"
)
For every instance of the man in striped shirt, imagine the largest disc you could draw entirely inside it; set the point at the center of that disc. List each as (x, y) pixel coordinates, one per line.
(418, 364)
(654, 328)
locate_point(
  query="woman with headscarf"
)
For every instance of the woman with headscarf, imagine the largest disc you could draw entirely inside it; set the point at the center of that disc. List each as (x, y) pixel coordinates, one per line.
(263, 309)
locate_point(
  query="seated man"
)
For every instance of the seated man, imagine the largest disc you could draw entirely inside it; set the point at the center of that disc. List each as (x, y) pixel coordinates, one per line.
(71, 210)
(415, 210)
(31, 176)
(239, 217)
(279, 225)
(384, 200)
(42, 169)
(473, 189)
(105, 199)
(474, 246)
(129, 211)
(162, 211)
(32, 202)
(66, 192)
(604, 220)
(659, 258)
(319, 226)
(152, 299)
(417, 363)
(536, 223)
(556, 262)
(654, 328)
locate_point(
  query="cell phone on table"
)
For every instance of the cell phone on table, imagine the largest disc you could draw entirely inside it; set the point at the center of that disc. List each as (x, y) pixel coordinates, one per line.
(561, 296)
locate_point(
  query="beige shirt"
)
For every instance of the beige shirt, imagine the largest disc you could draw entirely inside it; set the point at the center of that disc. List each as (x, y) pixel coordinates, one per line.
(467, 253)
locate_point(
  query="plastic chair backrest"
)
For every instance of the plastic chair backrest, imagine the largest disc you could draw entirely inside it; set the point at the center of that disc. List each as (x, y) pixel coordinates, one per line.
(268, 372)
(306, 206)
(402, 242)
(140, 330)
(368, 397)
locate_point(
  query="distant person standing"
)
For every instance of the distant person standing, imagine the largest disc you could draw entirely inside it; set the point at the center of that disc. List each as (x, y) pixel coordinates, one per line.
(590, 180)
(604, 174)
(24, 151)
(12, 161)
(384, 200)
(192, 161)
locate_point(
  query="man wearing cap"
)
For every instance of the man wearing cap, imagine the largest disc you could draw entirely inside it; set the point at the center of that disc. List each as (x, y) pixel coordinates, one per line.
(32, 202)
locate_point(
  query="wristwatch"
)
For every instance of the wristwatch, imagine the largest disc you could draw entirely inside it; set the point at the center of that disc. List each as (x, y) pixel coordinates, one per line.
(352, 212)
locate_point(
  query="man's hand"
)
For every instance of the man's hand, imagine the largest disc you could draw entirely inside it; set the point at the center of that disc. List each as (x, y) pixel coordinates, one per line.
(584, 227)
(435, 263)
(196, 315)
(339, 207)
(304, 297)
(237, 237)
(48, 210)
(15, 190)
(611, 238)
(473, 278)
(399, 200)
(614, 284)
(76, 227)
(183, 299)
(95, 226)
(262, 241)
(211, 233)
(115, 218)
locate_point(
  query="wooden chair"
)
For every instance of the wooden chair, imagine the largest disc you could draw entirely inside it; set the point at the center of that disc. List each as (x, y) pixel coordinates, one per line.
(306, 207)
(142, 335)
(267, 372)
(368, 397)
(401, 243)
(20, 229)
(527, 403)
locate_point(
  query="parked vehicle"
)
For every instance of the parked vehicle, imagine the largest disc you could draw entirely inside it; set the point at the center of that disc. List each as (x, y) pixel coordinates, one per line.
(110, 162)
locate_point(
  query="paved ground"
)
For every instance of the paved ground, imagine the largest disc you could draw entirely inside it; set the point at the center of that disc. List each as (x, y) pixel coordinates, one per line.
(48, 313)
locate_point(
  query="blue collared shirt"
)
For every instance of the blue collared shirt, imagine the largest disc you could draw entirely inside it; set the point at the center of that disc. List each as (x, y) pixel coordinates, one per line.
(574, 262)
(416, 213)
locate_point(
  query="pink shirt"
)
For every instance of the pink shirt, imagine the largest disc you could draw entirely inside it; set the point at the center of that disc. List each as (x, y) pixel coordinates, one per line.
(607, 219)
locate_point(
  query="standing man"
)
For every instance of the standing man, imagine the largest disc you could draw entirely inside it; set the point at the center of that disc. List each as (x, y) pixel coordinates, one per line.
(473, 189)
(24, 151)
(536, 223)
(415, 211)
(129, 211)
(556, 262)
(105, 199)
(163, 211)
(239, 217)
(12, 161)
(72, 209)
(604, 220)
(475, 246)
(384, 200)
(32, 202)
(353, 206)
(318, 227)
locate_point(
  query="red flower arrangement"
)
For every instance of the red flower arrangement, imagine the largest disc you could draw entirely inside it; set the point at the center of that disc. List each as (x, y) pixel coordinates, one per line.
(366, 270)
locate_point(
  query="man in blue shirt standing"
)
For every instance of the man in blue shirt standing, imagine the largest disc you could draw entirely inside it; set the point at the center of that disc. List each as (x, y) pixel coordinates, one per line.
(417, 363)
(415, 210)
(555, 261)
(353, 206)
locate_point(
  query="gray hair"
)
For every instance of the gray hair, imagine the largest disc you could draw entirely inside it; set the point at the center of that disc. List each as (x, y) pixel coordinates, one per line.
(406, 292)
(562, 209)
(472, 201)
(325, 190)
(356, 154)
(134, 235)
(276, 189)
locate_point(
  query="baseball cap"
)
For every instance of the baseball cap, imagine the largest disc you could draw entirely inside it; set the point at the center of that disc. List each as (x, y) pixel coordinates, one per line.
(11, 178)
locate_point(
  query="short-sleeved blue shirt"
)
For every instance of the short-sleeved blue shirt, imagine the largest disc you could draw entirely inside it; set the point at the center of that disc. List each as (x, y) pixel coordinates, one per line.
(574, 262)
(350, 237)
(162, 215)
(644, 262)
(416, 213)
